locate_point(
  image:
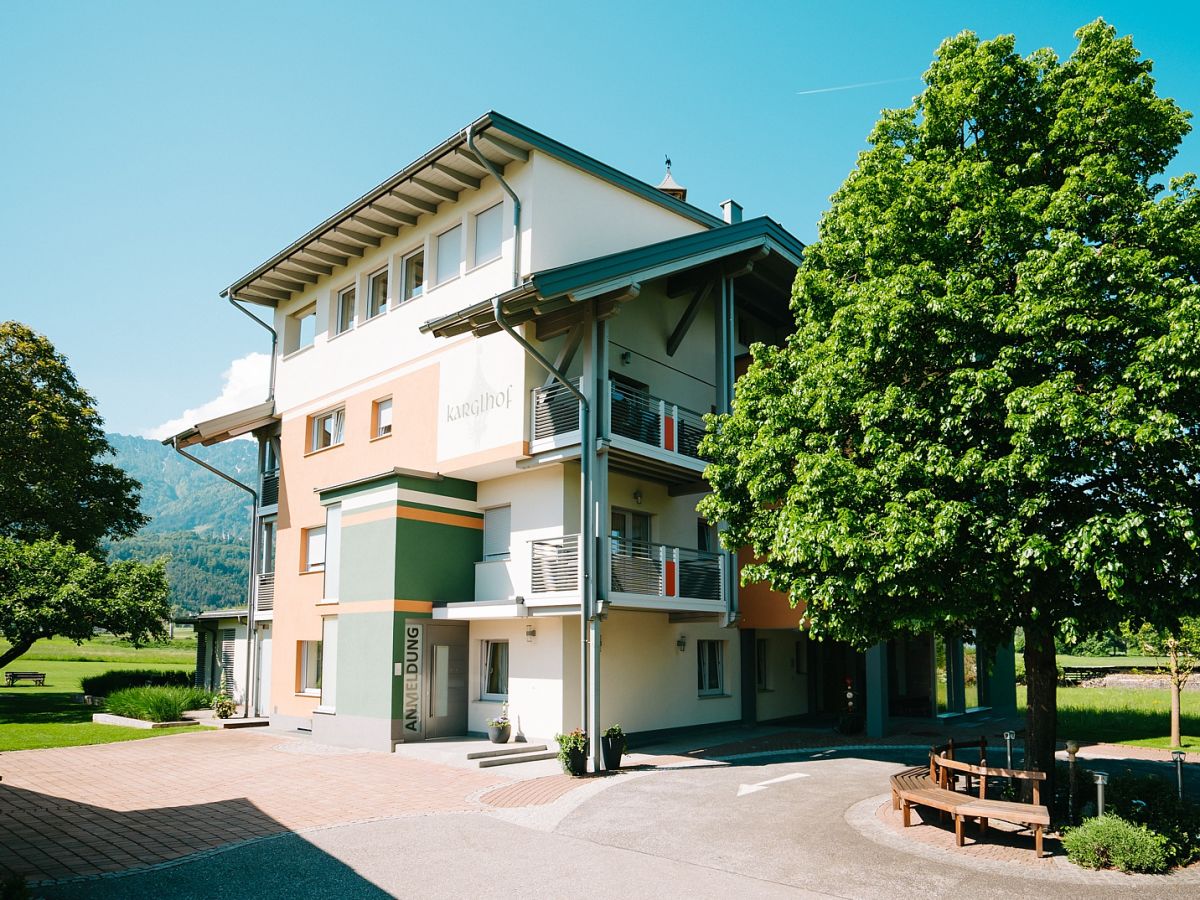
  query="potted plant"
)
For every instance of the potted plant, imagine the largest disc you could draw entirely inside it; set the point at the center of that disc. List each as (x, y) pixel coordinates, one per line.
(573, 751)
(499, 727)
(613, 745)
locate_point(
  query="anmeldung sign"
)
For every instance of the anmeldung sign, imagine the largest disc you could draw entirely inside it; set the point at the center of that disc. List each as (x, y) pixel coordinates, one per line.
(409, 668)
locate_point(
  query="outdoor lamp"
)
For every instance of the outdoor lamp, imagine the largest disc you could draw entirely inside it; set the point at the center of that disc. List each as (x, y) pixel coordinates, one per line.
(681, 643)
(1178, 756)
(1101, 780)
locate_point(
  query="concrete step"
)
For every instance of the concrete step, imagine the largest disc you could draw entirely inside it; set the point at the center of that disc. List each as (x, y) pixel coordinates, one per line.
(506, 750)
(513, 760)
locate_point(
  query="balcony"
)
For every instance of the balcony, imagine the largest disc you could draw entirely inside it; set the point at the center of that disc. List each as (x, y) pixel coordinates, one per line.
(264, 593)
(640, 424)
(643, 575)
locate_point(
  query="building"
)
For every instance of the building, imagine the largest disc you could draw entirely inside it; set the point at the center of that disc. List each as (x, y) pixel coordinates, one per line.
(479, 460)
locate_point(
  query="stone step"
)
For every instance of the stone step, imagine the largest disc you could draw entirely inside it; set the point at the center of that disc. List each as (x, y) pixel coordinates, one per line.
(513, 760)
(506, 750)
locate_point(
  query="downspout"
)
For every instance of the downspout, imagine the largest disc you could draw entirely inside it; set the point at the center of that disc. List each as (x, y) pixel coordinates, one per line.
(250, 597)
(587, 529)
(237, 304)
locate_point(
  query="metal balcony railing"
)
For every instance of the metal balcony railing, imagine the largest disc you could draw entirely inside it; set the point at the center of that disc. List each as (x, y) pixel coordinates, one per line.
(554, 411)
(265, 592)
(637, 567)
(654, 421)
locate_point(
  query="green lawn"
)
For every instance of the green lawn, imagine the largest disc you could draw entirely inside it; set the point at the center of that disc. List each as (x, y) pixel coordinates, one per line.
(105, 648)
(32, 717)
(1141, 662)
(1123, 716)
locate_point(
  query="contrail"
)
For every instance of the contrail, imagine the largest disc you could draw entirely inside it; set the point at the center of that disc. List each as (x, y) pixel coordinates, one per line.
(850, 87)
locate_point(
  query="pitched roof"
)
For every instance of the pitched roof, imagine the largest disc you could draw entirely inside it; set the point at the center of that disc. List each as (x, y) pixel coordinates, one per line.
(418, 189)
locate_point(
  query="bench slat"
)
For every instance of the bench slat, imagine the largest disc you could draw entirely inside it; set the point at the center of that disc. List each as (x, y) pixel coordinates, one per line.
(1024, 813)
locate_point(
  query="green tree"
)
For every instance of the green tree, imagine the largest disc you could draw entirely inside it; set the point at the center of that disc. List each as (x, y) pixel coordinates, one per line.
(49, 588)
(53, 477)
(1179, 645)
(987, 416)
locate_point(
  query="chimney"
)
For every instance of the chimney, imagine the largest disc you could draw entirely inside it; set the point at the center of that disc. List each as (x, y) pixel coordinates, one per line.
(669, 187)
(732, 211)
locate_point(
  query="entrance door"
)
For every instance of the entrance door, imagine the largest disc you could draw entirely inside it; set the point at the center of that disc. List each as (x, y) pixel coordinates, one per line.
(446, 680)
(263, 693)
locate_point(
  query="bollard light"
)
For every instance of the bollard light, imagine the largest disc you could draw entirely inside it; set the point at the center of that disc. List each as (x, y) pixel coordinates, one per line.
(1072, 749)
(1101, 781)
(1178, 757)
(1009, 737)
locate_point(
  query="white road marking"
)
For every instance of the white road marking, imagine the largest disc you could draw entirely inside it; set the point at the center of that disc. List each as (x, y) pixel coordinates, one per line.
(745, 789)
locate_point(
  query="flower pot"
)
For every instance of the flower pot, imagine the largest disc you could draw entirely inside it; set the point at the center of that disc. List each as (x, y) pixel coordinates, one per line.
(498, 734)
(612, 748)
(576, 761)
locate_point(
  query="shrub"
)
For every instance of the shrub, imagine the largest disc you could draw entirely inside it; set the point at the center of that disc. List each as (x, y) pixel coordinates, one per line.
(1109, 842)
(105, 683)
(1154, 802)
(157, 704)
(223, 707)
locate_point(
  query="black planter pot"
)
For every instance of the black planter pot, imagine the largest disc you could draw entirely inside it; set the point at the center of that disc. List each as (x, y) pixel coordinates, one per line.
(612, 748)
(576, 761)
(498, 734)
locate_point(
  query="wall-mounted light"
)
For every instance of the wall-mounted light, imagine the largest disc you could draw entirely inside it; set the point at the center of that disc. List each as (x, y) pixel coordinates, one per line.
(626, 357)
(637, 496)
(530, 633)
(681, 643)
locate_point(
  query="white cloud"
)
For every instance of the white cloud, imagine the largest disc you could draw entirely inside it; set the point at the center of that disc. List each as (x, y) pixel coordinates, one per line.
(245, 384)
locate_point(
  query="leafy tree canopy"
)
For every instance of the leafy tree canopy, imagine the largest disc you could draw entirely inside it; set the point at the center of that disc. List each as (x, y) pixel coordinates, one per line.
(987, 415)
(48, 588)
(53, 477)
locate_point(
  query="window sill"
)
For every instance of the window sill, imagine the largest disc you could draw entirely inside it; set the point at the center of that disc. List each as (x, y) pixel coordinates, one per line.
(328, 602)
(336, 335)
(315, 695)
(380, 437)
(324, 711)
(434, 287)
(379, 315)
(714, 696)
(325, 449)
(493, 698)
(405, 302)
(320, 571)
(483, 265)
(292, 354)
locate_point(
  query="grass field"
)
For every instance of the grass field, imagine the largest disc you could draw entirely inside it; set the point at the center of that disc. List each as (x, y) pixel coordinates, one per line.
(33, 717)
(1123, 716)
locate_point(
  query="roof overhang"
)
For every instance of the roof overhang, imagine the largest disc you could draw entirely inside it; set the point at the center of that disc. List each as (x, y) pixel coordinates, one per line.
(730, 251)
(222, 428)
(418, 189)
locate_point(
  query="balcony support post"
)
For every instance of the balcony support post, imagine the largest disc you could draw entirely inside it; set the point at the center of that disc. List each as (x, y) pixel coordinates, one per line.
(725, 333)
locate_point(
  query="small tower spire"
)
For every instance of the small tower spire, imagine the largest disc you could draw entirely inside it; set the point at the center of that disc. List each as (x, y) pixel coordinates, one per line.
(670, 187)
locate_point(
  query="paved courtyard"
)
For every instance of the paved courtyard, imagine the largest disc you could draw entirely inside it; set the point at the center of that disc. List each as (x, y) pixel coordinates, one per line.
(285, 817)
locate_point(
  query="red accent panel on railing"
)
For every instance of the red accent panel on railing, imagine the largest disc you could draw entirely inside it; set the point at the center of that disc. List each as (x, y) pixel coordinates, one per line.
(670, 579)
(668, 433)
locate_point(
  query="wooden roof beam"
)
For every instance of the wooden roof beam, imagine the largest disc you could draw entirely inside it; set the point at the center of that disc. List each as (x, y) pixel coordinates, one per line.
(361, 237)
(467, 181)
(282, 283)
(509, 150)
(308, 265)
(393, 215)
(264, 291)
(688, 317)
(306, 277)
(332, 259)
(377, 227)
(421, 206)
(347, 250)
(437, 190)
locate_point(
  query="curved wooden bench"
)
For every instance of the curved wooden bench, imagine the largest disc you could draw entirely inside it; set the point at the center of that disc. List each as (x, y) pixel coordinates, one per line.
(934, 786)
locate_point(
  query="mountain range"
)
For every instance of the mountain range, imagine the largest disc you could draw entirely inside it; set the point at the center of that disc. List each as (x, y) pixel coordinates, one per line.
(199, 522)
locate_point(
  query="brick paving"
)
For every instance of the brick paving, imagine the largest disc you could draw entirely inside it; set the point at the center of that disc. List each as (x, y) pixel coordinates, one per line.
(1003, 842)
(534, 792)
(88, 810)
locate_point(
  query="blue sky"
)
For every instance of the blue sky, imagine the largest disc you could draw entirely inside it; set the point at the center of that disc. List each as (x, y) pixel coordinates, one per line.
(154, 152)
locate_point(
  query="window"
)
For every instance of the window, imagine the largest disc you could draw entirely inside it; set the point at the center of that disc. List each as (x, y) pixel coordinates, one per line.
(377, 288)
(760, 664)
(412, 281)
(449, 253)
(487, 234)
(381, 415)
(710, 668)
(327, 430)
(266, 547)
(314, 549)
(497, 532)
(310, 666)
(494, 671)
(345, 311)
(300, 329)
(706, 537)
(331, 553)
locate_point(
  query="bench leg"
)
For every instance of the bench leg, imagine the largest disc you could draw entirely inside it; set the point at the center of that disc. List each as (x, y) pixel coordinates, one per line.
(895, 800)
(982, 827)
(907, 813)
(958, 828)
(1037, 841)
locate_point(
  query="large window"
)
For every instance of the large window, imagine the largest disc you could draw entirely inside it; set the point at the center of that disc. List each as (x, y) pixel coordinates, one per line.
(381, 418)
(344, 320)
(487, 234)
(377, 289)
(314, 549)
(412, 280)
(494, 671)
(310, 653)
(449, 254)
(266, 547)
(327, 430)
(710, 668)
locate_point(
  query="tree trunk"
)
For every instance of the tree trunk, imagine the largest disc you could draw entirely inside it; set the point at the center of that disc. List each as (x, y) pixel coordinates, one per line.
(1176, 686)
(1041, 711)
(15, 651)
